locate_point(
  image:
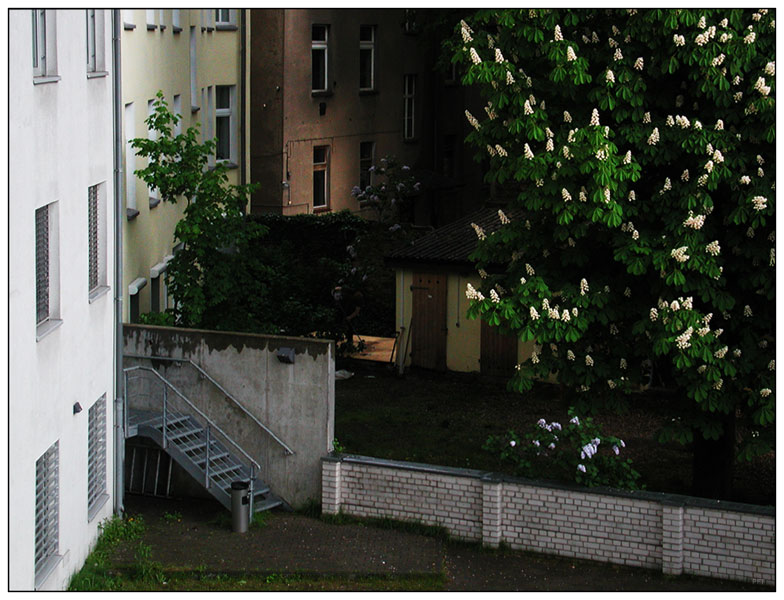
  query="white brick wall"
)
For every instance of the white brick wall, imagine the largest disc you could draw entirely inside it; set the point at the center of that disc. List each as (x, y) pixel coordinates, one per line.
(676, 534)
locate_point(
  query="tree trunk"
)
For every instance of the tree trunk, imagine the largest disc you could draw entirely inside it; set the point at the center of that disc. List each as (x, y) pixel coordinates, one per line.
(713, 463)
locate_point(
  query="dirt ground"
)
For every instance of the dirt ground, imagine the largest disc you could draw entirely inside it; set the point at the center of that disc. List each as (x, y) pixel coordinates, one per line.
(294, 543)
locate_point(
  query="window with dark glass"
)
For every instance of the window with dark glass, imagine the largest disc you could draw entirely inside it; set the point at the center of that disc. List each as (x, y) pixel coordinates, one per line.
(320, 176)
(367, 57)
(409, 91)
(366, 150)
(223, 114)
(319, 49)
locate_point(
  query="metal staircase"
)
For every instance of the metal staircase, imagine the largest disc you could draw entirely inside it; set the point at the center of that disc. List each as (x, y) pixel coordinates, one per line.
(166, 416)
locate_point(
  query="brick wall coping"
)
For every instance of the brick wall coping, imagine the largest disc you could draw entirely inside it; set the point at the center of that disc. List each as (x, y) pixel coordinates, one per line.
(660, 497)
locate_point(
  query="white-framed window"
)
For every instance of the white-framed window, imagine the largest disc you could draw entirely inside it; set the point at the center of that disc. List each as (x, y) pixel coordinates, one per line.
(366, 152)
(96, 239)
(320, 176)
(320, 57)
(210, 121)
(44, 45)
(152, 192)
(134, 291)
(177, 108)
(194, 97)
(91, 58)
(224, 123)
(96, 455)
(150, 18)
(367, 57)
(157, 274)
(39, 42)
(224, 18)
(127, 15)
(130, 162)
(176, 20)
(409, 104)
(47, 269)
(47, 512)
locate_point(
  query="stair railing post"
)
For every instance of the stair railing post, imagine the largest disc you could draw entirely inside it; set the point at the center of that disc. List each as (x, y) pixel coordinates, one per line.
(207, 461)
(165, 390)
(252, 479)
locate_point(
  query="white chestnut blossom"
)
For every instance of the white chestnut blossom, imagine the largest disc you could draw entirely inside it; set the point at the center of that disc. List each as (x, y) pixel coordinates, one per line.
(474, 56)
(675, 306)
(567, 154)
(566, 195)
(654, 137)
(632, 196)
(709, 166)
(747, 311)
(557, 36)
(639, 64)
(669, 121)
(719, 126)
(567, 117)
(627, 292)
(588, 360)
(695, 222)
(627, 159)
(529, 269)
(534, 313)
(510, 79)
(772, 365)
(679, 254)
(760, 172)
(501, 152)
(679, 40)
(595, 117)
(606, 195)
(646, 118)
(565, 316)
(750, 37)
(473, 294)
(570, 55)
(721, 352)
(534, 360)
(482, 273)
(770, 68)
(713, 248)
(472, 119)
(490, 150)
(480, 233)
(494, 297)
(503, 217)
(527, 152)
(685, 175)
(765, 392)
(618, 55)
(583, 287)
(682, 341)
(549, 146)
(654, 314)
(718, 60)
(575, 312)
(609, 76)
(718, 384)
(759, 202)
(583, 195)
(527, 110)
(499, 58)
(702, 180)
(736, 353)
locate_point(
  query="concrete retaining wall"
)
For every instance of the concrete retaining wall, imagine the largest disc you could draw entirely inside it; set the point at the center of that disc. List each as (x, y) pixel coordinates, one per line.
(677, 534)
(295, 401)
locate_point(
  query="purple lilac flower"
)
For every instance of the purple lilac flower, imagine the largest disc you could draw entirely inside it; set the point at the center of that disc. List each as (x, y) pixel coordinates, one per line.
(556, 426)
(615, 449)
(535, 443)
(355, 191)
(581, 468)
(542, 423)
(622, 444)
(596, 441)
(551, 446)
(371, 169)
(512, 443)
(405, 168)
(574, 421)
(417, 186)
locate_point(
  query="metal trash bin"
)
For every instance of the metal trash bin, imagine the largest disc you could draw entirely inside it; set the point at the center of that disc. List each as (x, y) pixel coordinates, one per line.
(240, 506)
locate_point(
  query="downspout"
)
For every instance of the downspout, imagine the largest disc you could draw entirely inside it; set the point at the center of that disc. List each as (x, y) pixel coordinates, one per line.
(119, 390)
(243, 108)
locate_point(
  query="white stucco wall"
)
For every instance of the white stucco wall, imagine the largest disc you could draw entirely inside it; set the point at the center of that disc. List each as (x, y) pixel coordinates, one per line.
(60, 144)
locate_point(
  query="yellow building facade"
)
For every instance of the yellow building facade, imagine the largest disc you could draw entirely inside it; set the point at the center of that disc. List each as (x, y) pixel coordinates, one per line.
(196, 58)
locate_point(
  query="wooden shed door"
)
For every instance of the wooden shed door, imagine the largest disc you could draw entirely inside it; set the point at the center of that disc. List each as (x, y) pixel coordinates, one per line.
(498, 352)
(428, 321)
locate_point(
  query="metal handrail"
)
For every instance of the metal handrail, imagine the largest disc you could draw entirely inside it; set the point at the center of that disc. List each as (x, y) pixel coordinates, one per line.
(223, 391)
(189, 403)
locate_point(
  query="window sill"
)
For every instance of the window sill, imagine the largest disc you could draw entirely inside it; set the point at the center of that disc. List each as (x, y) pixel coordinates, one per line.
(97, 506)
(195, 109)
(163, 27)
(129, 26)
(45, 79)
(46, 569)
(373, 92)
(321, 93)
(226, 27)
(47, 327)
(96, 74)
(210, 29)
(98, 292)
(154, 202)
(131, 213)
(228, 164)
(176, 29)
(321, 209)
(151, 27)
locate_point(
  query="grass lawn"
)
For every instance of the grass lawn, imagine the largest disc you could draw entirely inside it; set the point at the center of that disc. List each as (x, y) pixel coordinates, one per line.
(445, 418)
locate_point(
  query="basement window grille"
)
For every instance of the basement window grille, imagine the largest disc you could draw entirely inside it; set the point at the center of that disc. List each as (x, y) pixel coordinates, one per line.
(96, 452)
(92, 215)
(47, 522)
(42, 264)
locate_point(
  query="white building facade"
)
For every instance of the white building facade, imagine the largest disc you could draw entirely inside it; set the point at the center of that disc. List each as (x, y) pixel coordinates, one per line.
(61, 291)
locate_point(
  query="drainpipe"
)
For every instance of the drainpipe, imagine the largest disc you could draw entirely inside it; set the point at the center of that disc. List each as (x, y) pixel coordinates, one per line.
(243, 108)
(119, 388)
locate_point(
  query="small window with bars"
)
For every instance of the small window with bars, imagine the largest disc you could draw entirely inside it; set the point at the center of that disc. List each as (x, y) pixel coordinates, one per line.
(320, 176)
(96, 453)
(47, 511)
(42, 264)
(93, 237)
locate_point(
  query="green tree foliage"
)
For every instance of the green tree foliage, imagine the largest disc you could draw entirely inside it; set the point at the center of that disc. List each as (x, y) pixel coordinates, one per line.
(642, 143)
(203, 277)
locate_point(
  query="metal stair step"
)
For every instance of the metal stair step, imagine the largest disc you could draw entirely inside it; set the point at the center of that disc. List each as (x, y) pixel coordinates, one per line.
(266, 504)
(226, 469)
(213, 457)
(173, 421)
(183, 434)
